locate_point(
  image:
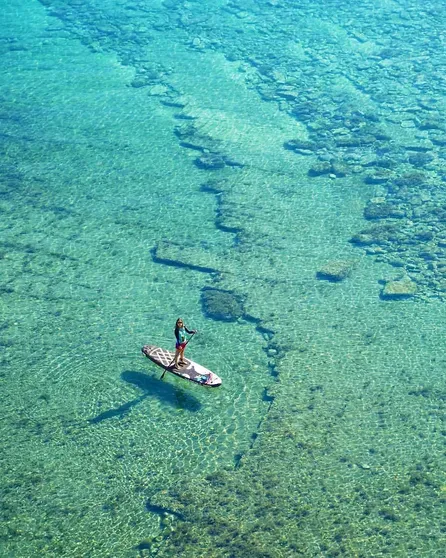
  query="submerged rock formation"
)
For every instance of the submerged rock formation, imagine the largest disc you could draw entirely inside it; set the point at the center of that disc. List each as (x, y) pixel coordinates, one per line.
(221, 305)
(336, 270)
(400, 288)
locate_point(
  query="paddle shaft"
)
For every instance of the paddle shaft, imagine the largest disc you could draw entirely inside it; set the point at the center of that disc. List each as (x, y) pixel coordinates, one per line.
(173, 360)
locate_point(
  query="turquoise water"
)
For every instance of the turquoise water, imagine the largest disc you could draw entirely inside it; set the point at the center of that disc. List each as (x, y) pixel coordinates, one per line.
(291, 158)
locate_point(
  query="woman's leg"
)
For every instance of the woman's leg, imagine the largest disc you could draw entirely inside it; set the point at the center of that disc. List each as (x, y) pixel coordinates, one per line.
(177, 354)
(181, 359)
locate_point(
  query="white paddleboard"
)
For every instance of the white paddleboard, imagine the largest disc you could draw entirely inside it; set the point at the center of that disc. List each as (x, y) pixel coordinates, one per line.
(189, 371)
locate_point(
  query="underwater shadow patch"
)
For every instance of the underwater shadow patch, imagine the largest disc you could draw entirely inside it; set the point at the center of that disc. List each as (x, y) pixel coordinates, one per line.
(120, 411)
(167, 393)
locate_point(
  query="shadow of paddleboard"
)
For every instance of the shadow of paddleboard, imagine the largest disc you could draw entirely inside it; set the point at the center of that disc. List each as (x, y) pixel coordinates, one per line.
(152, 387)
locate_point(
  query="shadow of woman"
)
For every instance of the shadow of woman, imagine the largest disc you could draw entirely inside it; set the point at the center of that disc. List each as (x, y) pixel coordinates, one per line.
(151, 387)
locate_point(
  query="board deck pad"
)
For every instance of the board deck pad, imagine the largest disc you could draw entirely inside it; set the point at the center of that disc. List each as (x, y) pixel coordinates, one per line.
(189, 371)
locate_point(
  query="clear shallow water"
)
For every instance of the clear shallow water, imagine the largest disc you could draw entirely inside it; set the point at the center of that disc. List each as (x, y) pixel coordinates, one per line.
(326, 438)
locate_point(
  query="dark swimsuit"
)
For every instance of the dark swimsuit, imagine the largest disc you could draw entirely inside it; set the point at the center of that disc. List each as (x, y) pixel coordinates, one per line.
(181, 342)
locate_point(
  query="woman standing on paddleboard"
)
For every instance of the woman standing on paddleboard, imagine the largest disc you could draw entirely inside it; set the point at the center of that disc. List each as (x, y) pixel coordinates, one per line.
(180, 335)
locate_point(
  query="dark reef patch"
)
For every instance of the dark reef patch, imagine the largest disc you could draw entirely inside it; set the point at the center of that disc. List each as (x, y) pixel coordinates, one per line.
(222, 305)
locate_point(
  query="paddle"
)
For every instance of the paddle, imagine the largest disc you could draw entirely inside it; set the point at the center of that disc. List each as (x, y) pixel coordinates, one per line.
(170, 364)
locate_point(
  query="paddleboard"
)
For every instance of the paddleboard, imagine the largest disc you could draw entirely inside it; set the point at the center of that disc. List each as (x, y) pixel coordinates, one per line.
(189, 371)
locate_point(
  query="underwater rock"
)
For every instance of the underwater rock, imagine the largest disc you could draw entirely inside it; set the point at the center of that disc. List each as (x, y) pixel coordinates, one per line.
(381, 136)
(420, 145)
(410, 180)
(332, 168)
(428, 255)
(304, 111)
(382, 210)
(431, 124)
(192, 138)
(16, 47)
(396, 262)
(336, 270)
(288, 92)
(172, 4)
(179, 102)
(140, 81)
(363, 239)
(339, 169)
(198, 43)
(420, 159)
(221, 305)
(387, 53)
(424, 236)
(399, 288)
(210, 161)
(358, 141)
(379, 234)
(158, 90)
(381, 163)
(186, 130)
(320, 168)
(300, 146)
(439, 213)
(379, 176)
(439, 140)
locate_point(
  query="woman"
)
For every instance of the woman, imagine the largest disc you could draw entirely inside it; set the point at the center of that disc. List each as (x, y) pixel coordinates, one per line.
(180, 335)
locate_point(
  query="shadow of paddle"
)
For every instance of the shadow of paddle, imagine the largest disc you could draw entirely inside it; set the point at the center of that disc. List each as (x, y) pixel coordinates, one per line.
(118, 412)
(151, 387)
